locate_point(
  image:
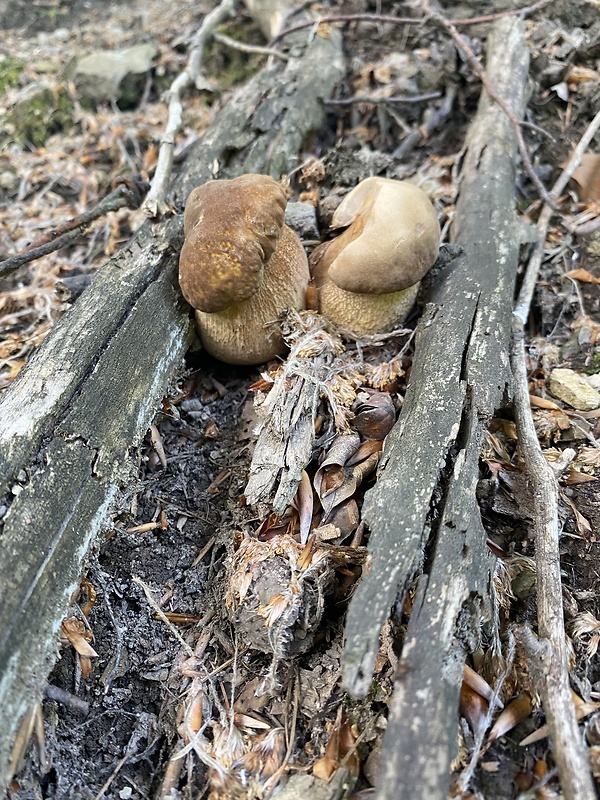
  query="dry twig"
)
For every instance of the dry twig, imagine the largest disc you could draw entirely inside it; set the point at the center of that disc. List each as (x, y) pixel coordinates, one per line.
(548, 653)
(128, 194)
(479, 70)
(156, 203)
(415, 98)
(390, 18)
(249, 48)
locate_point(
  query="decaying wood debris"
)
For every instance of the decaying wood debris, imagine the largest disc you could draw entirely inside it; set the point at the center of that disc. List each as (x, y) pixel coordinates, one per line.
(292, 545)
(91, 390)
(460, 376)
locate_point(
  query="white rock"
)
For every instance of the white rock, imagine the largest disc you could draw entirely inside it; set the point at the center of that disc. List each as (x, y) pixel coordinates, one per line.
(594, 380)
(572, 388)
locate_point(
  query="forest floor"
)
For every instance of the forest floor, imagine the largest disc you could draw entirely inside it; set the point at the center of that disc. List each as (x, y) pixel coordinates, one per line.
(182, 513)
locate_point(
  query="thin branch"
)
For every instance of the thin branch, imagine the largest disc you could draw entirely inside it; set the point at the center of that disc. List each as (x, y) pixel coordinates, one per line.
(435, 121)
(535, 262)
(479, 70)
(156, 202)
(393, 20)
(414, 98)
(160, 613)
(249, 48)
(548, 653)
(128, 194)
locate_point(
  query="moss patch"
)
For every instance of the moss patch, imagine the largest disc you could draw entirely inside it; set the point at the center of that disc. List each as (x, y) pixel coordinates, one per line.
(10, 71)
(40, 113)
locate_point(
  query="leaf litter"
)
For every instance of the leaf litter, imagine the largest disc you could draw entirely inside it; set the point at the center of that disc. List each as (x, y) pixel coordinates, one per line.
(257, 699)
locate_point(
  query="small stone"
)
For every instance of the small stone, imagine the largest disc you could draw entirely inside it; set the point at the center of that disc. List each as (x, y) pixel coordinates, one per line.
(573, 389)
(115, 75)
(594, 381)
(302, 219)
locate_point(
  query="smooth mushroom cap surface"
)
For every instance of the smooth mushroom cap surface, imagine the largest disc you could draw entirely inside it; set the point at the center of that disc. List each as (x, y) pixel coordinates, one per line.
(391, 242)
(241, 333)
(232, 228)
(365, 313)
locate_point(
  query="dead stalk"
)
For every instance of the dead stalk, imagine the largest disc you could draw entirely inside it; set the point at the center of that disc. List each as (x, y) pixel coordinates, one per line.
(479, 70)
(390, 18)
(128, 195)
(156, 203)
(547, 653)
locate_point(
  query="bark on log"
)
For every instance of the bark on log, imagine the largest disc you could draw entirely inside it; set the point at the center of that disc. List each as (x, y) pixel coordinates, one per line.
(459, 377)
(90, 391)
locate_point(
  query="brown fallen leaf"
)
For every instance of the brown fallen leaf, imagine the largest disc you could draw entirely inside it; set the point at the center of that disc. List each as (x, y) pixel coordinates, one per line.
(479, 684)
(542, 402)
(340, 748)
(375, 414)
(581, 275)
(575, 476)
(584, 529)
(473, 707)
(305, 504)
(587, 177)
(582, 710)
(515, 712)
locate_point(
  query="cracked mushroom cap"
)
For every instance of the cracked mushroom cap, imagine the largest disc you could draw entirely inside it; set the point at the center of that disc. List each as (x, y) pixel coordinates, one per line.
(232, 228)
(240, 266)
(368, 276)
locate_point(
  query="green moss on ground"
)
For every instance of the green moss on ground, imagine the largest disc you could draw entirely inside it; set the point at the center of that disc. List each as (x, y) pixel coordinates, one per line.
(10, 72)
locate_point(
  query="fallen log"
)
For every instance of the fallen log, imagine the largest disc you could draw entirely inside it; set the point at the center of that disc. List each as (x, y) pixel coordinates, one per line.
(460, 375)
(88, 394)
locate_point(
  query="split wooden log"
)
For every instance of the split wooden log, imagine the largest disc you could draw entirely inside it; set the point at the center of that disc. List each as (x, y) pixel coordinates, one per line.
(460, 375)
(89, 393)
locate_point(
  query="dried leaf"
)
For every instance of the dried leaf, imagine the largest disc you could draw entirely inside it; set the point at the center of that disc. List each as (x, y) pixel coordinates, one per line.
(575, 476)
(345, 517)
(584, 529)
(340, 747)
(542, 402)
(246, 721)
(581, 275)
(473, 707)
(582, 710)
(364, 451)
(478, 684)
(515, 712)
(75, 632)
(587, 177)
(305, 503)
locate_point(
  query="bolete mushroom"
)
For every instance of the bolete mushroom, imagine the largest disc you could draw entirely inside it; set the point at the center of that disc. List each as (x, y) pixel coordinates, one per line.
(368, 277)
(241, 266)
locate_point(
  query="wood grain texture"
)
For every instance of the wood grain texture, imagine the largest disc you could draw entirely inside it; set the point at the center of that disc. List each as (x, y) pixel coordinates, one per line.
(91, 390)
(460, 375)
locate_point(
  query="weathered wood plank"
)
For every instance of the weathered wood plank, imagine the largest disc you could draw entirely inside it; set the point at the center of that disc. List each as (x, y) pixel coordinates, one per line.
(90, 391)
(460, 376)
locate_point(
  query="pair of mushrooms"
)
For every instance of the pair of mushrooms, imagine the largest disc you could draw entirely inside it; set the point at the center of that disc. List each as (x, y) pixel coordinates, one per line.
(241, 266)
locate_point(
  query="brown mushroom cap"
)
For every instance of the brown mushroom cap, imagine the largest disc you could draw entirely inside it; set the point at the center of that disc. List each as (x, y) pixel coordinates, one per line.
(240, 334)
(391, 242)
(232, 228)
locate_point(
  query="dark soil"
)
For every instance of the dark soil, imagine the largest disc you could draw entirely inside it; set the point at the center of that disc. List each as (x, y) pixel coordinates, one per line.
(121, 746)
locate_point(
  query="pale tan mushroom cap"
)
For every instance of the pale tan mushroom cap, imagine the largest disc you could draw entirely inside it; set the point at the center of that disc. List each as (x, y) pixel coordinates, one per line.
(240, 334)
(365, 313)
(392, 241)
(232, 228)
